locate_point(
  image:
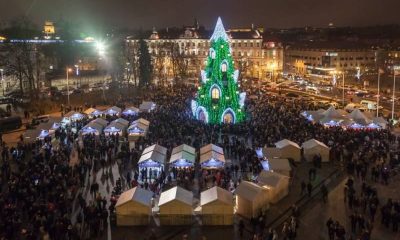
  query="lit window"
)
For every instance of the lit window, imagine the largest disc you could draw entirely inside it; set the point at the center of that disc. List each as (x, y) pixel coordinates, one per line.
(223, 67)
(215, 93)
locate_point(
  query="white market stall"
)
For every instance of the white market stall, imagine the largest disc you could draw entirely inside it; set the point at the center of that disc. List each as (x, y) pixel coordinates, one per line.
(117, 126)
(217, 206)
(138, 128)
(100, 121)
(113, 111)
(212, 157)
(314, 147)
(147, 106)
(279, 165)
(130, 111)
(251, 199)
(276, 184)
(270, 152)
(183, 156)
(92, 128)
(176, 207)
(92, 112)
(153, 159)
(289, 150)
(133, 207)
(72, 116)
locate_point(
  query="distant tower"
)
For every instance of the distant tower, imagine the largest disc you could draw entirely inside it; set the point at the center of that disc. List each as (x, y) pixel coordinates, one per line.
(218, 98)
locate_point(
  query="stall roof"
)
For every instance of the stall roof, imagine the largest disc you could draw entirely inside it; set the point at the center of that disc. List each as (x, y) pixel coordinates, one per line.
(332, 113)
(211, 147)
(90, 111)
(113, 110)
(248, 190)
(153, 155)
(212, 155)
(122, 121)
(142, 121)
(312, 143)
(176, 193)
(182, 155)
(269, 178)
(184, 148)
(136, 194)
(115, 125)
(271, 152)
(285, 142)
(214, 194)
(130, 110)
(93, 125)
(73, 114)
(156, 148)
(100, 121)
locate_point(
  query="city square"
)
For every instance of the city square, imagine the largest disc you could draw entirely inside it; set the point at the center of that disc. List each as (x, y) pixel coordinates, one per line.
(211, 130)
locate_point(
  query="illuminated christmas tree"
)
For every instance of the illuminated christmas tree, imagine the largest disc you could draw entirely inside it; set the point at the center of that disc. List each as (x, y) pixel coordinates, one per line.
(218, 99)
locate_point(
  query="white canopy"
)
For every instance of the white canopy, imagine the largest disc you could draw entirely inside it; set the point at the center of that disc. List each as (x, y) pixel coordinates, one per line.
(359, 117)
(136, 194)
(285, 142)
(216, 194)
(113, 111)
(313, 143)
(93, 112)
(380, 121)
(178, 194)
(157, 148)
(92, 127)
(183, 148)
(130, 111)
(122, 122)
(211, 147)
(114, 127)
(100, 121)
(249, 190)
(72, 115)
(314, 147)
(332, 113)
(269, 178)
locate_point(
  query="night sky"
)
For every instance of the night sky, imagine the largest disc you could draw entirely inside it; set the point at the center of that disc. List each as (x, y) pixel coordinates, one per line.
(235, 13)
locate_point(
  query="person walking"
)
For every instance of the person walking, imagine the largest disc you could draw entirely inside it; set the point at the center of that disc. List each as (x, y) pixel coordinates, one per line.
(309, 188)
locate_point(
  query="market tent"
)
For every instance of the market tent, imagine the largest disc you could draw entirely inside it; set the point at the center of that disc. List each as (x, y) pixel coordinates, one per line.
(183, 156)
(211, 147)
(134, 207)
(114, 128)
(212, 156)
(212, 160)
(314, 147)
(276, 184)
(153, 156)
(357, 116)
(289, 149)
(130, 111)
(137, 129)
(175, 207)
(74, 116)
(122, 121)
(100, 121)
(146, 106)
(279, 165)
(113, 111)
(93, 112)
(250, 199)
(92, 127)
(217, 206)
(332, 113)
(43, 134)
(380, 121)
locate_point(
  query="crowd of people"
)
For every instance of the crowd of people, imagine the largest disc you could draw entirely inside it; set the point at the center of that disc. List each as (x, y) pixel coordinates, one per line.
(65, 202)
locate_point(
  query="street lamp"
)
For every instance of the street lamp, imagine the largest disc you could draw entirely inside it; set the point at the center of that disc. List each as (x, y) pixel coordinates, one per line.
(68, 70)
(2, 79)
(395, 69)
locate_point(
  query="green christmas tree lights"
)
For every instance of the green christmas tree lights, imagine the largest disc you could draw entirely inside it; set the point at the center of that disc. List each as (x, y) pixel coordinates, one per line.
(218, 99)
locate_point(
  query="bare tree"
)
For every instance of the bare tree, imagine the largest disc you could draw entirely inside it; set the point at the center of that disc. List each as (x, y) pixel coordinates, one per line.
(132, 58)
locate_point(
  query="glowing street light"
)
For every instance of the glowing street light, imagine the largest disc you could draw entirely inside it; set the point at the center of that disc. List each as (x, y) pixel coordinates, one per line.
(2, 79)
(68, 70)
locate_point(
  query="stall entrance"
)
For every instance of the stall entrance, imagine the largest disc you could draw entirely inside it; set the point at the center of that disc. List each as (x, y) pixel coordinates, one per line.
(202, 116)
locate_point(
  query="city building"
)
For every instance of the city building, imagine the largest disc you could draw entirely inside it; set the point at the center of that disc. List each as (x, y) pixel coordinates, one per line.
(322, 58)
(180, 53)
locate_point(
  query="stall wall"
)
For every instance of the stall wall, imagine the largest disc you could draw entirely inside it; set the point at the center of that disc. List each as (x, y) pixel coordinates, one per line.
(132, 213)
(217, 213)
(291, 152)
(176, 213)
(311, 152)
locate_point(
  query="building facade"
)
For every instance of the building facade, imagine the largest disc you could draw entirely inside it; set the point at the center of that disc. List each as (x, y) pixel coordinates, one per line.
(181, 53)
(322, 61)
